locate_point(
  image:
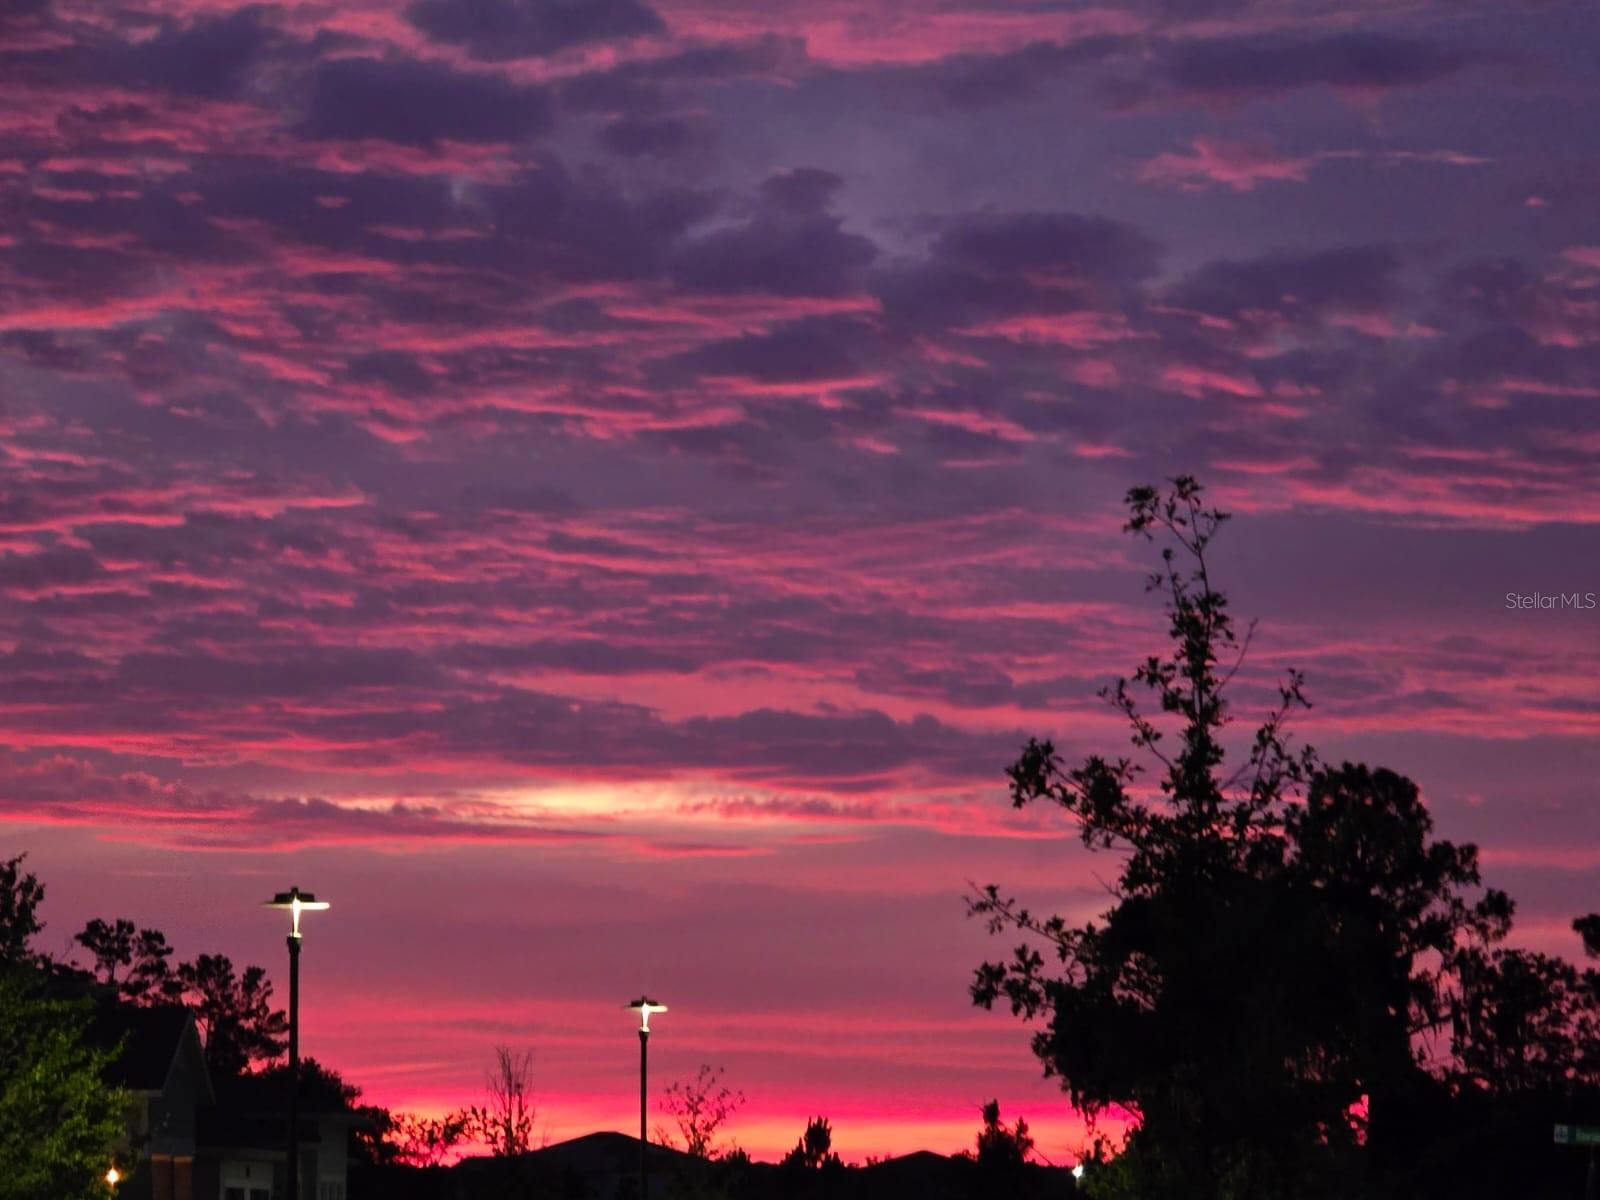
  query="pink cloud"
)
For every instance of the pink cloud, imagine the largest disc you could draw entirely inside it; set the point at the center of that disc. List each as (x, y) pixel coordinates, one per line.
(1213, 162)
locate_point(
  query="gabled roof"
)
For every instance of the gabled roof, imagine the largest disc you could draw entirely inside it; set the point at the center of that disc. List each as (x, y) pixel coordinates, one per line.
(153, 1039)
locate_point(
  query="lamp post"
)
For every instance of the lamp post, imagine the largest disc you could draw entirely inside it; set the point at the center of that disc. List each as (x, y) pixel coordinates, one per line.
(644, 1006)
(296, 902)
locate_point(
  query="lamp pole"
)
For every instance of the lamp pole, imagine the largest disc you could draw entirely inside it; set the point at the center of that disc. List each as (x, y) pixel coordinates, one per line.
(296, 902)
(294, 1066)
(644, 1091)
(644, 1006)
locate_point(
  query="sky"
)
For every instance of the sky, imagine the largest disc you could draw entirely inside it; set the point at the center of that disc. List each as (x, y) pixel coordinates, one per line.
(601, 491)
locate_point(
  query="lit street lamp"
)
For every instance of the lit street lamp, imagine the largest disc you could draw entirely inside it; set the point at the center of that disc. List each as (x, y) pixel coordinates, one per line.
(644, 1006)
(296, 902)
(113, 1177)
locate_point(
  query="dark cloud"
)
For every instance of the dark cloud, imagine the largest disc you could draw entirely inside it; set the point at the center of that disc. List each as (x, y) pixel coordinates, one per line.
(210, 57)
(327, 670)
(497, 30)
(650, 137)
(844, 748)
(1199, 10)
(1079, 248)
(792, 246)
(585, 656)
(47, 568)
(582, 225)
(207, 58)
(986, 266)
(813, 349)
(419, 104)
(801, 193)
(969, 683)
(643, 86)
(392, 369)
(1350, 279)
(1264, 64)
(978, 81)
(18, 11)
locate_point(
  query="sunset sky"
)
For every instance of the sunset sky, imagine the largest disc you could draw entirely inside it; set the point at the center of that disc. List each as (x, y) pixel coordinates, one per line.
(601, 491)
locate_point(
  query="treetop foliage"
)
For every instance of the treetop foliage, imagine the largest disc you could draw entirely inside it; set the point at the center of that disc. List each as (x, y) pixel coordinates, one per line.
(699, 1107)
(1290, 958)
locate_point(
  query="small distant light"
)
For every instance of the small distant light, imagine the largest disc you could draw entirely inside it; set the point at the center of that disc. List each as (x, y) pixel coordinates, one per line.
(1077, 1171)
(113, 1177)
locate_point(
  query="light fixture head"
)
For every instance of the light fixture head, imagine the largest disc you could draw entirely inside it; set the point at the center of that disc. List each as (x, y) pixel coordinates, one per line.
(113, 1176)
(644, 1006)
(296, 902)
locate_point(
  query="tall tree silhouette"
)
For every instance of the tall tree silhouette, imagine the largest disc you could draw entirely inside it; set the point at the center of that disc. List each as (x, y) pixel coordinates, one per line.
(1001, 1156)
(1000, 1147)
(814, 1150)
(504, 1121)
(234, 1012)
(20, 894)
(1263, 992)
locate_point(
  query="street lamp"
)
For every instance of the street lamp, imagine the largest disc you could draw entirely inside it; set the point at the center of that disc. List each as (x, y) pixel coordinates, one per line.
(296, 902)
(113, 1177)
(644, 1006)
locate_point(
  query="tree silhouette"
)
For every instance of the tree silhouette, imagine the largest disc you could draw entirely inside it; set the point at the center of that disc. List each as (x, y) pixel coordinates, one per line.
(699, 1107)
(504, 1121)
(1286, 943)
(151, 978)
(234, 1013)
(20, 894)
(1518, 1018)
(425, 1141)
(814, 1150)
(1588, 928)
(142, 954)
(1000, 1148)
(110, 945)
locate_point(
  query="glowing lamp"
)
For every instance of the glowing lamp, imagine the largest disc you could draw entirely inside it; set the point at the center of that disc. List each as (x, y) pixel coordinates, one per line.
(644, 1006)
(113, 1177)
(1077, 1171)
(296, 902)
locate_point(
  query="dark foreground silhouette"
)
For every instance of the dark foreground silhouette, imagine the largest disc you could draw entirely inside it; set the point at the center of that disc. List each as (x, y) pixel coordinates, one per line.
(604, 1166)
